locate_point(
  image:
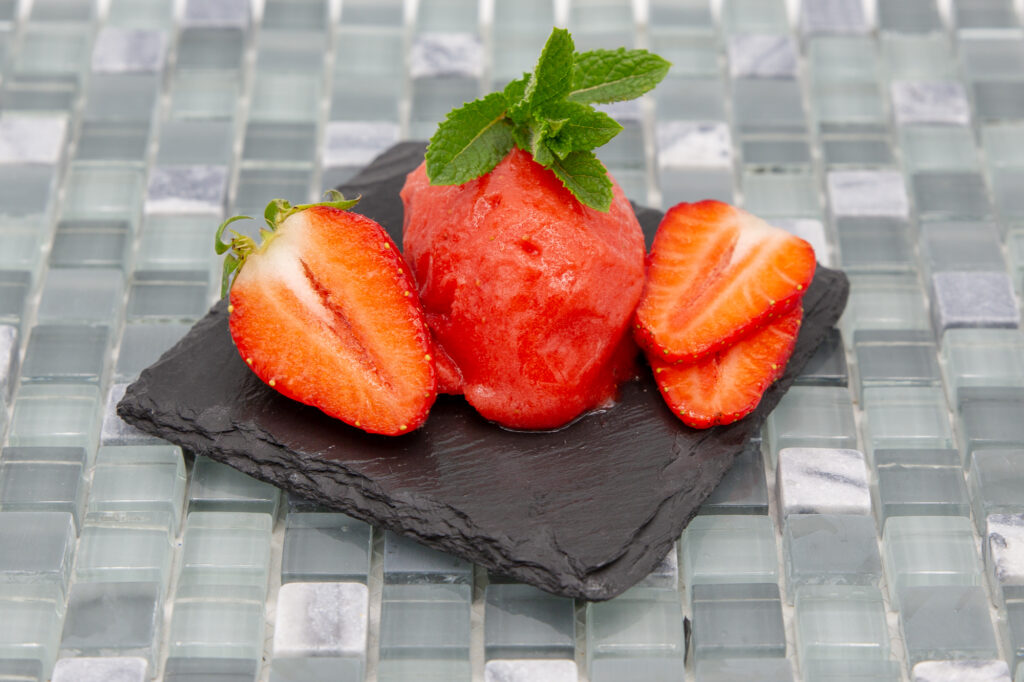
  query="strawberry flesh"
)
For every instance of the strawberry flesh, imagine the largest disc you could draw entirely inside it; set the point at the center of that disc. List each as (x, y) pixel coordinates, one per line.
(527, 290)
(716, 272)
(728, 384)
(326, 313)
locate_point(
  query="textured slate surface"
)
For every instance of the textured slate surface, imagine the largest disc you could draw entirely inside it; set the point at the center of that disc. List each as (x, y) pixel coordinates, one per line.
(585, 511)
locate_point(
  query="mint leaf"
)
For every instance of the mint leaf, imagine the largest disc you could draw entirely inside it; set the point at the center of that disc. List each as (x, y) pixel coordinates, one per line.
(553, 76)
(585, 176)
(470, 142)
(583, 129)
(615, 75)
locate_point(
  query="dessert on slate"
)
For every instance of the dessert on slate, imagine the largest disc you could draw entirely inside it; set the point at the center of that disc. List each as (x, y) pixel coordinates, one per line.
(324, 311)
(528, 281)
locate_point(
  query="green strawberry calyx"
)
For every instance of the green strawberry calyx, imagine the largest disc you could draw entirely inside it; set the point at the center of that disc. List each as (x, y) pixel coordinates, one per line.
(241, 246)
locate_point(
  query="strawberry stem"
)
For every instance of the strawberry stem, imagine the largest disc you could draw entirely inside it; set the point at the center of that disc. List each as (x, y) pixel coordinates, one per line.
(278, 210)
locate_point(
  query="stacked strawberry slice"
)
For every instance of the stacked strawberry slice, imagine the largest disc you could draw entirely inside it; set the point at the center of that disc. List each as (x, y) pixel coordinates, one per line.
(721, 309)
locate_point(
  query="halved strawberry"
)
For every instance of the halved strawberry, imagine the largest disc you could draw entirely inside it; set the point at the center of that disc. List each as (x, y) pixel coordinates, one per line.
(728, 384)
(714, 273)
(325, 311)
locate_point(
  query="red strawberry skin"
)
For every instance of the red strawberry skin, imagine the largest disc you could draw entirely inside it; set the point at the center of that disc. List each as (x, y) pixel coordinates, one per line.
(528, 291)
(716, 272)
(728, 384)
(326, 313)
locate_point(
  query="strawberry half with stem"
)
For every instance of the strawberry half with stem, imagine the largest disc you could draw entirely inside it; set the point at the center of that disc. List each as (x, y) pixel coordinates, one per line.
(716, 272)
(728, 384)
(324, 310)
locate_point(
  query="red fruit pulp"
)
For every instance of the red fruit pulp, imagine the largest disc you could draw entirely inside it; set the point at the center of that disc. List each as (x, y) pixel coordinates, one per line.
(528, 291)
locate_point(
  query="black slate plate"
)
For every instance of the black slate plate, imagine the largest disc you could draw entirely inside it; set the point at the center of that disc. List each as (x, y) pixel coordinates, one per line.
(586, 511)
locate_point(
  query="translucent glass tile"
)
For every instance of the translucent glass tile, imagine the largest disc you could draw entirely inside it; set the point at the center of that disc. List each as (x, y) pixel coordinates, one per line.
(175, 242)
(168, 295)
(379, 100)
(428, 670)
(762, 56)
(896, 358)
(921, 491)
(639, 623)
(216, 629)
(301, 105)
(520, 621)
(973, 299)
(25, 192)
(781, 194)
(320, 547)
(376, 52)
(321, 621)
(946, 194)
(771, 154)
(988, 419)
(637, 669)
(202, 668)
(828, 17)
(66, 353)
(691, 54)
(9, 357)
(106, 619)
(108, 192)
(81, 295)
(55, 54)
(925, 617)
(433, 97)
(426, 622)
(195, 142)
(225, 553)
(409, 562)
(296, 15)
(812, 417)
(768, 106)
(376, 12)
(220, 13)
(729, 549)
(996, 483)
(982, 14)
(830, 549)
(280, 143)
(909, 16)
(1008, 203)
(109, 552)
(139, 485)
(697, 184)
(928, 148)
(122, 97)
(350, 145)
(217, 487)
(754, 16)
(764, 669)
(144, 14)
(878, 302)
(30, 631)
(875, 193)
(849, 108)
(961, 246)
(906, 417)
(142, 344)
(743, 489)
(38, 550)
(822, 481)
(100, 248)
(827, 367)
(840, 623)
(918, 57)
(998, 100)
(875, 244)
(1003, 144)
(14, 287)
(220, 49)
(983, 357)
(924, 457)
(42, 486)
(204, 95)
(512, 50)
(447, 15)
(1003, 547)
(929, 551)
(257, 187)
(56, 415)
(737, 621)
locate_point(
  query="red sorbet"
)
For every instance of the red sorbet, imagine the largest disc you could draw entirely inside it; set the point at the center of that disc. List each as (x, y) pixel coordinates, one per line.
(527, 290)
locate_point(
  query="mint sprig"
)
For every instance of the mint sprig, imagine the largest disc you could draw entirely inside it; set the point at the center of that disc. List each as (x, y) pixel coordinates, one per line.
(547, 113)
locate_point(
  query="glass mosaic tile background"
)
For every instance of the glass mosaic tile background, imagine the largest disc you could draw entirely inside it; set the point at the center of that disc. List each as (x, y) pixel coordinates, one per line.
(876, 532)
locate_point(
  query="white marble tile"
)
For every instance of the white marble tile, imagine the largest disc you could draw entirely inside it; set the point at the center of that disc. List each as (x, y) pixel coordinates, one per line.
(187, 189)
(217, 14)
(356, 143)
(32, 139)
(688, 144)
(810, 230)
(630, 110)
(446, 54)
(824, 17)
(762, 56)
(822, 481)
(867, 193)
(1005, 548)
(321, 619)
(961, 671)
(101, 669)
(121, 50)
(530, 670)
(942, 102)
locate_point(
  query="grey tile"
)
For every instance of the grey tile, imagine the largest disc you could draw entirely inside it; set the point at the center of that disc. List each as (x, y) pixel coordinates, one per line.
(867, 193)
(818, 17)
(973, 299)
(762, 56)
(446, 54)
(918, 102)
(927, 615)
(119, 50)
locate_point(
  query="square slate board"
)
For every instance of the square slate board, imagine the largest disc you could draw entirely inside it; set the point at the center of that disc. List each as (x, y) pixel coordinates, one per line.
(585, 511)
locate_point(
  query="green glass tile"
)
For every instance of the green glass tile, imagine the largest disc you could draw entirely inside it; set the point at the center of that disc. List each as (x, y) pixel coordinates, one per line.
(204, 95)
(103, 192)
(218, 487)
(737, 623)
(907, 417)
(424, 627)
(927, 57)
(781, 194)
(217, 629)
(842, 58)
(37, 549)
(106, 619)
(113, 553)
(56, 415)
(813, 417)
(989, 418)
(830, 549)
(875, 244)
(139, 485)
(1003, 144)
(921, 491)
(520, 621)
(321, 547)
(729, 549)
(743, 490)
(66, 354)
(227, 552)
(996, 483)
(30, 630)
(646, 623)
(926, 614)
(212, 48)
(407, 561)
(982, 357)
(840, 623)
(884, 302)
(929, 551)
(755, 16)
(42, 486)
(928, 148)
